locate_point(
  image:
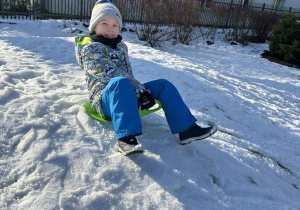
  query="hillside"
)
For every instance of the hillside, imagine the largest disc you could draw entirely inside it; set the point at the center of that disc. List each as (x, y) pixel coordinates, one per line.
(53, 156)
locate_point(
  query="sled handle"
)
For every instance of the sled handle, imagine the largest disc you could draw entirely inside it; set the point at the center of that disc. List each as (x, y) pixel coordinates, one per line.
(148, 111)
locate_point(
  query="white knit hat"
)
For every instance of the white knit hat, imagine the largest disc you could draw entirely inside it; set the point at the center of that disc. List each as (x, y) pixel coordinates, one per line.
(104, 9)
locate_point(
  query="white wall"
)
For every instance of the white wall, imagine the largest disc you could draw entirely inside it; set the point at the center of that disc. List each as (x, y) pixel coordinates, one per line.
(292, 3)
(271, 2)
(284, 3)
(69, 7)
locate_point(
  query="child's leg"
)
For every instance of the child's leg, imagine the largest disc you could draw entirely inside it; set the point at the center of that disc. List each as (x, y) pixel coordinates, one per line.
(177, 113)
(120, 104)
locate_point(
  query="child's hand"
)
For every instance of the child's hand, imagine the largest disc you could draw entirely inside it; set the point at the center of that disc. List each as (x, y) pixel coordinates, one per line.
(146, 100)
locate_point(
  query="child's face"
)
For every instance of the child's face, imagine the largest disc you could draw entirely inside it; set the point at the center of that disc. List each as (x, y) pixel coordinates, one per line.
(108, 27)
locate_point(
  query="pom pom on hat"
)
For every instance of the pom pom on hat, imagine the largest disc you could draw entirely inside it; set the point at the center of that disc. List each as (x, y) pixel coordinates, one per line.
(104, 9)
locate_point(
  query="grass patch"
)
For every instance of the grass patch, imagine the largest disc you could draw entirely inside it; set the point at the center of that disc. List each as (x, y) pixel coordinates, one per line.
(282, 166)
(276, 162)
(257, 154)
(15, 179)
(228, 117)
(219, 108)
(215, 180)
(226, 132)
(296, 186)
(252, 180)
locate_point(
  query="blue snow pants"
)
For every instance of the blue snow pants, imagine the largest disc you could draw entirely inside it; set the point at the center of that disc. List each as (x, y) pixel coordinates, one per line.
(119, 102)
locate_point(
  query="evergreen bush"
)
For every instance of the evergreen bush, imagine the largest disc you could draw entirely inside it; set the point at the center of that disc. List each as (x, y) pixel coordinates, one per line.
(285, 40)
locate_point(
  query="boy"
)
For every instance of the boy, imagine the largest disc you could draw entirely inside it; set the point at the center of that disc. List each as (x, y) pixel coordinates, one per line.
(116, 94)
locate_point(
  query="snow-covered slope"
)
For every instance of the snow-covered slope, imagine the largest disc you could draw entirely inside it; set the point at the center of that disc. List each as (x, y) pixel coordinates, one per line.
(53, 156)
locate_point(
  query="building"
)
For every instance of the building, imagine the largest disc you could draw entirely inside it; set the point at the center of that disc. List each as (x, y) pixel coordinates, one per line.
(279, 3)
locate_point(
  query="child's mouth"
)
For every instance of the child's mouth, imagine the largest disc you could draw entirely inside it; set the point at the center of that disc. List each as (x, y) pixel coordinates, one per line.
(109, 36)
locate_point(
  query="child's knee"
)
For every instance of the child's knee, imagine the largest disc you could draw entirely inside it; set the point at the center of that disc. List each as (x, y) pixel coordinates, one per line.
(166, 83)
(120, 83)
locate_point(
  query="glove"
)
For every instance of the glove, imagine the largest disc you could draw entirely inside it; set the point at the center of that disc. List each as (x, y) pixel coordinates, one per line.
(146, 100)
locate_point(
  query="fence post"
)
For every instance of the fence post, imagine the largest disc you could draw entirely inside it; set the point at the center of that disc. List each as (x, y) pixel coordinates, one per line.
(263, 8)
(30, 11)
(2, 8)
(228, 14)
(81, 8)
(290, 9)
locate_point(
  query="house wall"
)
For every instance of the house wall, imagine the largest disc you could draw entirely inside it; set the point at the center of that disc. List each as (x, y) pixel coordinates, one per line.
(271, 2)
(292, 3)
(284, 3)
(67, 7)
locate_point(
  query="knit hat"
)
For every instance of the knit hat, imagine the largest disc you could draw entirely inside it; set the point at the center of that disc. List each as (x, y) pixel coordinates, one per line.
(104, 9)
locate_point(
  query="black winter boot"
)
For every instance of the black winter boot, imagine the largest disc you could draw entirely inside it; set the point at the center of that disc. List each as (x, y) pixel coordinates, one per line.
(195, 132)
(129, 145)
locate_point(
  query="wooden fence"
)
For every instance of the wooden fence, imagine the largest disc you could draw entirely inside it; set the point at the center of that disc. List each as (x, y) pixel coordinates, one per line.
(81, 9)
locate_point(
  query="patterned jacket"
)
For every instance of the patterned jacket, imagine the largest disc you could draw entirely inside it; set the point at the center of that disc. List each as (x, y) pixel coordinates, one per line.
(102, 63)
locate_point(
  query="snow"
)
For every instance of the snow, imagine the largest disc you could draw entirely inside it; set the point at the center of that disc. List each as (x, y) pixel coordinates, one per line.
(53, 156)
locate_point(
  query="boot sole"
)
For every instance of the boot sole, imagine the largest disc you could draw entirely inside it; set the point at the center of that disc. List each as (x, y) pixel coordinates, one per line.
(135, 150)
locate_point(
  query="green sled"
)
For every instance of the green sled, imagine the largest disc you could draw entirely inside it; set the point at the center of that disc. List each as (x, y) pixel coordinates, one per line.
(94, 114)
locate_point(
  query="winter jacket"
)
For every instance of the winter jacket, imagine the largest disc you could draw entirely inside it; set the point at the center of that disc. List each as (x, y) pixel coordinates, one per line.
(101, 63)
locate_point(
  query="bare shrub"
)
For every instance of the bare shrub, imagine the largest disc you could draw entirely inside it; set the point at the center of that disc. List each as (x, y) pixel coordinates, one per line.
(233, 20)
(244, 24)
(187, 15)
(183, 21)
(155, 26)
(154, 34)
(16, 5)
(261, 25)
(165, 20)
(217, 19)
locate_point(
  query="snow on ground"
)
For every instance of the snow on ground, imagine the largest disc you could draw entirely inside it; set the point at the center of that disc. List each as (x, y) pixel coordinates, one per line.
(53, 156)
